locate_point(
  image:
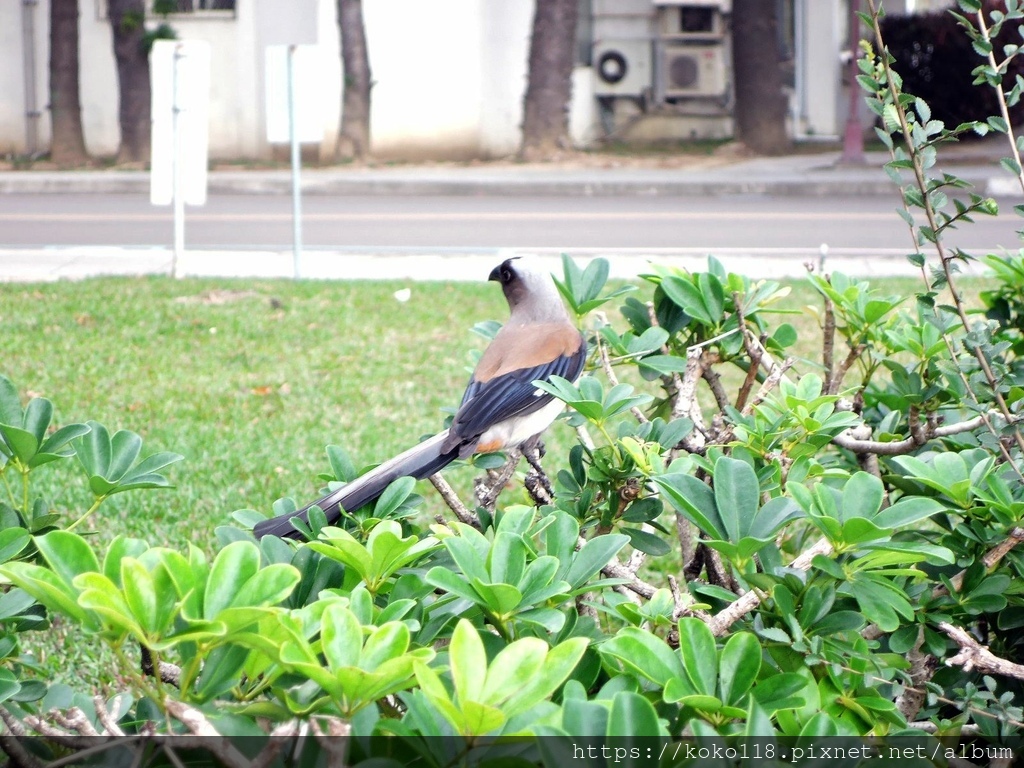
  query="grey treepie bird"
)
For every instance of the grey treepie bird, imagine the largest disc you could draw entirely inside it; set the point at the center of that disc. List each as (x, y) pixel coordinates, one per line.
(501, 408)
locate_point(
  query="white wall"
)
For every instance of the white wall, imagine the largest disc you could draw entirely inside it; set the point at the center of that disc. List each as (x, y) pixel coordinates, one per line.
(12, 77)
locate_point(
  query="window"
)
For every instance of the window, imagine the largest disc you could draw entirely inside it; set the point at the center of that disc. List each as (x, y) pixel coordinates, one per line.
(191, 6)
(213, 9)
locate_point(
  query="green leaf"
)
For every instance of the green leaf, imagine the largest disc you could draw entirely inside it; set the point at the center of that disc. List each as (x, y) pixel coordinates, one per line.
(687, 297)
(394, 496)
(47, 588)
(557, 664)
(739, 665)
(698, 655)
(140, 596)
(780, 691)
(906, 511)
(594, 555)
(737, 495)
(468, 662)
(12, 542)
(10, 403)
(694, 500)
(269, 586)
(646, 542)
(234, 565)
(632, 716)
(342, 637)
(67, 554)
(862, 496)
(646, 655)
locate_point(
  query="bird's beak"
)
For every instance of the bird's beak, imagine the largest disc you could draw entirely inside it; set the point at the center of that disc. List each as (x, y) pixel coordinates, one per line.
(495, 274)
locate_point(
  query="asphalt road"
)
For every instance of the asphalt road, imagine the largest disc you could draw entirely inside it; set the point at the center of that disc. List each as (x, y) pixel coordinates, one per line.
(247, 222)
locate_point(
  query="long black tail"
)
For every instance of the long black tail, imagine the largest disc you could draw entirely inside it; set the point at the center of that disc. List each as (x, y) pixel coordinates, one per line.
(419, 461)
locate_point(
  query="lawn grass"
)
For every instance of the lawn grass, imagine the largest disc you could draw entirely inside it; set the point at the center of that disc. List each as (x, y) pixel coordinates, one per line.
(250, 380)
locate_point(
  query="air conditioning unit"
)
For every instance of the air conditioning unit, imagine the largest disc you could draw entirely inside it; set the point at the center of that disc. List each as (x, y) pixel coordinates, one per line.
(622, 67)
(690, 70)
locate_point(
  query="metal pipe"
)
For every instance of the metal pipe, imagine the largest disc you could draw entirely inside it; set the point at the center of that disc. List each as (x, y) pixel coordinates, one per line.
(28, 48)
(293, 137)
(179, 161)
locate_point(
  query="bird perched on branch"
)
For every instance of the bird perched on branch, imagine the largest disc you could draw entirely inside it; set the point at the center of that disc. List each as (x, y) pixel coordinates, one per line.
(501, 408)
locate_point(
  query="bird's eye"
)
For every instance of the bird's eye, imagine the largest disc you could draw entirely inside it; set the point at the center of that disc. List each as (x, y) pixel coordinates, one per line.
(506, 275)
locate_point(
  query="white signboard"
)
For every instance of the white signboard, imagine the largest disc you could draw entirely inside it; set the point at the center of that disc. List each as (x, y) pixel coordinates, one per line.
(180, 80)
(307, 97)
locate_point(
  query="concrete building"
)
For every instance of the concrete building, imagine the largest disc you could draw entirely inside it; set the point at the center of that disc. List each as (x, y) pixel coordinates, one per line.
(449, 75)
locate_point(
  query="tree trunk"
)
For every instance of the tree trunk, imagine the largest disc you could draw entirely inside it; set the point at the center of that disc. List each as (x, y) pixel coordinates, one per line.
(126, 23)
(761, 104)
(67, 146)
(354, 131)
(549, 83)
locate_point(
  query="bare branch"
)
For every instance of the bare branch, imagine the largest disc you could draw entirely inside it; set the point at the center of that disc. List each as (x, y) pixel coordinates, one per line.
(922, 433)
(991, 559)
(59, 735)
(536, 481)
(20, 757)
(922, 667)
(713, 379)
(686, 387)
(687, 545)
(191, 718)
(750, 378)
(12, 747)
(110, 726)
(74, 719)
(451, 498)
(927, 726)
(973, 655)
(616, 570)
(487, 491)
(169, 673)
(828, 354)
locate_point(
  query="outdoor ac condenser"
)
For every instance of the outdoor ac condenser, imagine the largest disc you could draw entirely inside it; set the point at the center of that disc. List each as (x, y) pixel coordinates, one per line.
(622, 67)
(688, 69)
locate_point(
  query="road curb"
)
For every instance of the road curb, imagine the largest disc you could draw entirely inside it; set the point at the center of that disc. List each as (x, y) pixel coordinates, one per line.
(386, 183)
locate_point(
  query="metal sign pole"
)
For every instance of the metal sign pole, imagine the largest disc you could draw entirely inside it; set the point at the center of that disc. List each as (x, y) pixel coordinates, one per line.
(177, 161)
(296, 166)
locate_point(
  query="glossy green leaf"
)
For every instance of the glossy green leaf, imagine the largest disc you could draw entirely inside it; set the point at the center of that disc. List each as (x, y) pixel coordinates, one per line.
(632, 716)
(234, 565)
(739, 665)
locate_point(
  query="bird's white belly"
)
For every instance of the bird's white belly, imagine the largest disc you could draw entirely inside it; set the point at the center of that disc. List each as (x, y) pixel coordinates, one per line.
(512, 432)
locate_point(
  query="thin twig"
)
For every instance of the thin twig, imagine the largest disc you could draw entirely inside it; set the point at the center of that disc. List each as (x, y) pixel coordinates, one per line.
(778, 373)
(990, 559)
(606, 365)
(714, 381)
(451, 498)
(828, 355)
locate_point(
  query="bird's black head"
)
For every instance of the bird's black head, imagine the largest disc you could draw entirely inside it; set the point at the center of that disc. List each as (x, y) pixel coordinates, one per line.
(504, 273)
(511, 281)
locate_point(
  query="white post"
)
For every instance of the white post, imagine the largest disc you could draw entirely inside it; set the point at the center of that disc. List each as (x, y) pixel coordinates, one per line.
(293, 137)
(178, 162)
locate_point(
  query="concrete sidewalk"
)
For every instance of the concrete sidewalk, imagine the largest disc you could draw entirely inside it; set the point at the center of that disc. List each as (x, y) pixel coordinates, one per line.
(74, 263)
(804, 174)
